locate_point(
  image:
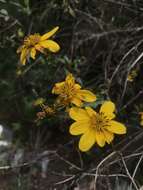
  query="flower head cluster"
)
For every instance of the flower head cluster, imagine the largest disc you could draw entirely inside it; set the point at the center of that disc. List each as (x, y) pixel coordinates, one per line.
(46, 111)
(36, 42)
(92, 126)
(70, 92)
(95, 127)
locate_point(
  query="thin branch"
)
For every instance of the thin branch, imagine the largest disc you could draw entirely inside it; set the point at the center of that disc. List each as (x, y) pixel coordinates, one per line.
(132, 65)
(30, 66)
(102, 175)
(66, 180)
(136, 168)
(10, 26)
(111, 32)
(39, 157)
(100, 164)
(68, 162)
(128, 173)
(132, 99)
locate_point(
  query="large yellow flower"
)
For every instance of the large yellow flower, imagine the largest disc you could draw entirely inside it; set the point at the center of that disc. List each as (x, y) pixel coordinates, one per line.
(36, 42)
(95, 127)
(71, 92)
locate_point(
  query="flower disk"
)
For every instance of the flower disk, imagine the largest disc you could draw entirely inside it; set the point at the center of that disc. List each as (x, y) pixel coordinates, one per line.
(95, 127)
(35, 42)
(71, 92)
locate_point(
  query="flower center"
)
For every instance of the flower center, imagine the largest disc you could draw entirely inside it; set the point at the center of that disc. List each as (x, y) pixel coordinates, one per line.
(99, 121)
(68, 91)
(32, 40)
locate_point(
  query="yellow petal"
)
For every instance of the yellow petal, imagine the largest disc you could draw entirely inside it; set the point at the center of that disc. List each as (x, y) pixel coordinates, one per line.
(58, 88)
(23, 56)
(33, 53)
(70, 80)
(116, 127)
(19, 49)
(23, 61)
(77, 102)
(87, 140)
(39, 48)
(50, 45)
(39, 101)
(90, 111)
(86, 96)
(78, 128)
(77, 86)
(141, 122)
(79, 114)
(49, 34)
(100, 138)
(108, 136)
(108, 108)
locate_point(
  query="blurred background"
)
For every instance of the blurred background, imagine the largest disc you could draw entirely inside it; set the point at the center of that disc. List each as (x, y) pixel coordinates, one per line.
(102, 45)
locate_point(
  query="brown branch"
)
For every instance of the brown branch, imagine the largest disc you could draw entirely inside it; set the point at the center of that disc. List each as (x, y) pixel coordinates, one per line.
(128, 173)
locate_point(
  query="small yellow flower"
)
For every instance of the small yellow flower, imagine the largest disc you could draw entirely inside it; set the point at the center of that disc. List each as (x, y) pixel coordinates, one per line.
(49, 110)
(141, 118)
(46, 111)
(132, 75)
(71, 92)
(36, 42)
(39, 102)
(95, 127)
(19, 72)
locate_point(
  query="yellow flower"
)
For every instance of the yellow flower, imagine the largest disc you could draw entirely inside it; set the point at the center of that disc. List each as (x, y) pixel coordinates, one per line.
(36, 42)
(95, 127)
(46, 111)
(19, 72)
(133, 74)
(39, 101)
(49, 110)
(71, 92)
(141, 118)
